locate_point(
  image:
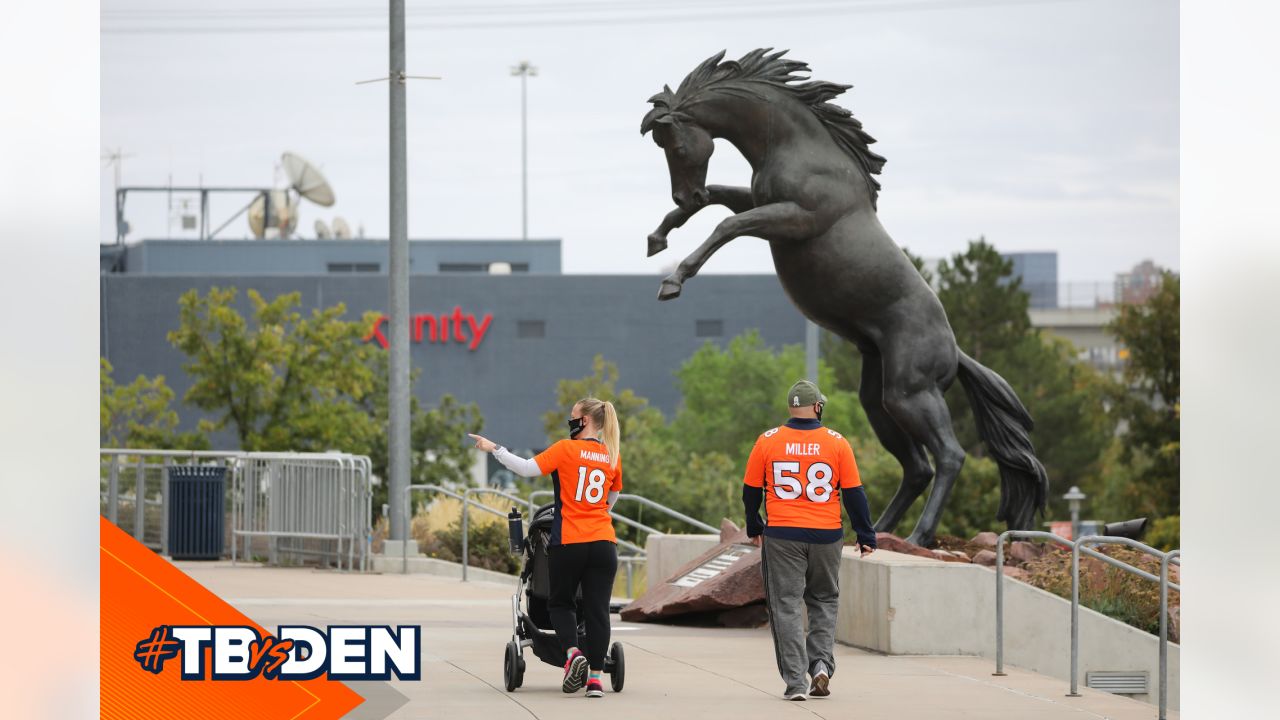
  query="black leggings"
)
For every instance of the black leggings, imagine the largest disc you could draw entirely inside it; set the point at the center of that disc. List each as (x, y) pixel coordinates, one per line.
(593, 565)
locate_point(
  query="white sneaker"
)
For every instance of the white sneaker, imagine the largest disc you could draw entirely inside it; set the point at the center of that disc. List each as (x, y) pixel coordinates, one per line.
(818, 688)
(797, 696)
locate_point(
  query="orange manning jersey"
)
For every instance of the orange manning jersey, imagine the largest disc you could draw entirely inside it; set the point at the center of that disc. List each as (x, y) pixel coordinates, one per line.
(801, 471)
(583, 478)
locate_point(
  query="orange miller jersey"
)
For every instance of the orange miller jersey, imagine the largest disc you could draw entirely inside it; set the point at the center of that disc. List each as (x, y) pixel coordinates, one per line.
(801, 472)
(582, 477)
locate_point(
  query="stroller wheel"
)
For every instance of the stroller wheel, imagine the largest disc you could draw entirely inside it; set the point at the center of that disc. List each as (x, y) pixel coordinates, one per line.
(512, 667)
(618, 673)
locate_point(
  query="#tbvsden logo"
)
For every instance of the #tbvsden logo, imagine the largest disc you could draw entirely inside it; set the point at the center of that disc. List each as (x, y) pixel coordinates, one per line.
(295, 652)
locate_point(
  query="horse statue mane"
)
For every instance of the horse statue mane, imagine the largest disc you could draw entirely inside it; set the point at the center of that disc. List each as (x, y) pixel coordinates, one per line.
(763, 66)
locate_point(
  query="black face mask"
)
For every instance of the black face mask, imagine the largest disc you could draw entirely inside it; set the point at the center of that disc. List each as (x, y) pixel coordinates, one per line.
(576, 425)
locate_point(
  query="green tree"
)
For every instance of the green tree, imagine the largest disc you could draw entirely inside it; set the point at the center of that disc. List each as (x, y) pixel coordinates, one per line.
(988, 311)
(442, 454)
(985, 303)
(138, 415)
(732, 394)
(280, 381)
(1149, 403)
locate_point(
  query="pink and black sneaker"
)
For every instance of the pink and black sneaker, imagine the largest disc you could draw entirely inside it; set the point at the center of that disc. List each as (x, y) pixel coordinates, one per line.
(594, 688)
(575, 672)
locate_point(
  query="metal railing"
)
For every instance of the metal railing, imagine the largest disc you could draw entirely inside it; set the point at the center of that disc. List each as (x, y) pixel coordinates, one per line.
(637, 553)
(294, 500)
(1081, 547)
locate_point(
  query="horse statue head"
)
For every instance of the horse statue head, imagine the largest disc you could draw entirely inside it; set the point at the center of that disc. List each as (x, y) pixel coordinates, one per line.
(688, 147)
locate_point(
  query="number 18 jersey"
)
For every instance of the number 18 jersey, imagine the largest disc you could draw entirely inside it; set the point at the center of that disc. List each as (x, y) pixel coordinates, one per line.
(582, 477)
(801, 472)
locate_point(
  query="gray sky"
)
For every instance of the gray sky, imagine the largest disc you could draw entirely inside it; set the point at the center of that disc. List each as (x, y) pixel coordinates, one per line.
(1042, 125)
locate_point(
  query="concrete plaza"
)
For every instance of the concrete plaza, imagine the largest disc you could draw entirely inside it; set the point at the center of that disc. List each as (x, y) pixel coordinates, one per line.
(671, 672)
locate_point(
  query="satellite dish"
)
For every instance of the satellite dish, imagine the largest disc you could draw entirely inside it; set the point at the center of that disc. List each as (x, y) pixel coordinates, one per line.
(322, 231)
(280, 222)
(341, 230)
(307, 180)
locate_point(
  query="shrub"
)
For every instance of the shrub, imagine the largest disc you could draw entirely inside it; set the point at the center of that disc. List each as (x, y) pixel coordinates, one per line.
(1165, 534)
(1109, 590)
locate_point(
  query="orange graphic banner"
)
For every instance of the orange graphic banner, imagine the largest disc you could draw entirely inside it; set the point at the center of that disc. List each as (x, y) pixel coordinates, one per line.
(141, 591)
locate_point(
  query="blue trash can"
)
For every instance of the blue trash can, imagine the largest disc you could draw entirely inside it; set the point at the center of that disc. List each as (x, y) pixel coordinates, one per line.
(196, 511)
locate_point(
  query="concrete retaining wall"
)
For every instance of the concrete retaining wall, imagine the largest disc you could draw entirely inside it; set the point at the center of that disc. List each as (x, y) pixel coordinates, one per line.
(394, 565)
(664, 554)
(904, 605)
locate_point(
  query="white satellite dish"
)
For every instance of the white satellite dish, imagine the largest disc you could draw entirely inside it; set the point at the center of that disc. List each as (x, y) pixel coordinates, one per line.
(322, 231)
(307, 180)
(341, 230)
(280, 222)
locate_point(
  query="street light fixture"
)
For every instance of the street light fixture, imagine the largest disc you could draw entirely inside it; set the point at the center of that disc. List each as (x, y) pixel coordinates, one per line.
(525, 70)
(1074, 497)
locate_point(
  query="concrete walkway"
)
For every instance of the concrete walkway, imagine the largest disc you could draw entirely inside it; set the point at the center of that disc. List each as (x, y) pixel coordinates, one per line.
(672, 673)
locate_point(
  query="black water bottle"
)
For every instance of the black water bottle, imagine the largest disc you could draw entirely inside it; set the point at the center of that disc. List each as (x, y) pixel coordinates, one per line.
(515, 525)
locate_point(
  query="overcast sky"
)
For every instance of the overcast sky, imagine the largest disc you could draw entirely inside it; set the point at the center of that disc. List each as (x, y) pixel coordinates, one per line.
(1043, 125)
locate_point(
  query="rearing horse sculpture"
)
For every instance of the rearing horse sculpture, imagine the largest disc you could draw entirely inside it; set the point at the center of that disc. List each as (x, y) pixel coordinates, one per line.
(813, 198)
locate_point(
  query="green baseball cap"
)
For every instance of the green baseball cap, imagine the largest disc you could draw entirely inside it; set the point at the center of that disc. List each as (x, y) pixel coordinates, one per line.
(803, 394)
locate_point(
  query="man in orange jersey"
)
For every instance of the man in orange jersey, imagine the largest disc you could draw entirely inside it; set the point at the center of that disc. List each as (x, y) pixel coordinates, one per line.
(799, 469)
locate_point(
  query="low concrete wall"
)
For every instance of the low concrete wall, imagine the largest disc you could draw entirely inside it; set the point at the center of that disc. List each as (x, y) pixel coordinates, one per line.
(394, 565)
(664, 554)
(905, 605)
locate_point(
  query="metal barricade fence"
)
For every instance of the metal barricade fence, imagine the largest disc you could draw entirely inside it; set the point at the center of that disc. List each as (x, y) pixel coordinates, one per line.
(298, 504)
(1078, 548)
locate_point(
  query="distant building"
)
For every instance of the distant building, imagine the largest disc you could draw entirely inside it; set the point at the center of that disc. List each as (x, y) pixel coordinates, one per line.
(1139, 283)
(1039, 274)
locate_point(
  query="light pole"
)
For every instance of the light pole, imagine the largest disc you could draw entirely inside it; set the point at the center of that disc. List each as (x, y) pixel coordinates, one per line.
(1074, 498)
(525, 70)
(398, 438)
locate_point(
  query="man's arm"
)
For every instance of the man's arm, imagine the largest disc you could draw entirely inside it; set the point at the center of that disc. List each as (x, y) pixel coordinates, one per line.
(753, 491)
(855, 503)
(854, 498)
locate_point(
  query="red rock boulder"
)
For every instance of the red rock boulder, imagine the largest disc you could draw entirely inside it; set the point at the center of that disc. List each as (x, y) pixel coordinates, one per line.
(727, 577)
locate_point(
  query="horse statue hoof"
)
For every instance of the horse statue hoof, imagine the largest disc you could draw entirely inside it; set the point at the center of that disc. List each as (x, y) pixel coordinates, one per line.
(670, 290)
(657, 244)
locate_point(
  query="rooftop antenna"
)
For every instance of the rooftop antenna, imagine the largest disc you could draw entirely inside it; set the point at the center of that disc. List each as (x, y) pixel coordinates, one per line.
(115, 160)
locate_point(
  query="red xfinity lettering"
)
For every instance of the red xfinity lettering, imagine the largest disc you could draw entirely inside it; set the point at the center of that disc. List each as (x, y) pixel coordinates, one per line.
(467, 330)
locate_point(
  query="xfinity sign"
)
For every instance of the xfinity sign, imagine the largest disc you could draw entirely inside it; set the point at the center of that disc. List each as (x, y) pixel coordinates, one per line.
(456, 327)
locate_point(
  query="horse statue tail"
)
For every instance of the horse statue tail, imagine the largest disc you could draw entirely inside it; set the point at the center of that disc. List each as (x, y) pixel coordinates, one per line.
(1005, 425)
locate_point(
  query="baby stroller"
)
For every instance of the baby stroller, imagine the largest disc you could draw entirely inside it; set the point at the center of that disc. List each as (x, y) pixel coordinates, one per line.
(533, 629)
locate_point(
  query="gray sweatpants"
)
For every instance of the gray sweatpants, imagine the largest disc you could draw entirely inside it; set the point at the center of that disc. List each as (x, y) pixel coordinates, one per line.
(800, 576)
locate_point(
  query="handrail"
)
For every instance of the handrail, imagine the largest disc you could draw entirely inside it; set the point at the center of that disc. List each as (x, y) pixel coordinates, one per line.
(668, 511)
(1164, 629)
(1030, 534)
(408, 518)
(466, 503)
(1076, 548)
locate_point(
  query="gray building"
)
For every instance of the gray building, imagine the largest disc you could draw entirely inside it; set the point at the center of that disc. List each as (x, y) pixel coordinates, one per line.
(1039, 273)
(502, 341)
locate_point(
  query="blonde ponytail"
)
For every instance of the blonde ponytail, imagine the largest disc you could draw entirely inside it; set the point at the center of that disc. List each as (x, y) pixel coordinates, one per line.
(605, 417)
(612, 433)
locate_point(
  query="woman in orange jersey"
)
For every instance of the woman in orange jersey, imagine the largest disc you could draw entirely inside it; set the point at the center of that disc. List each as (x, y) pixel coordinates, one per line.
(586, 477)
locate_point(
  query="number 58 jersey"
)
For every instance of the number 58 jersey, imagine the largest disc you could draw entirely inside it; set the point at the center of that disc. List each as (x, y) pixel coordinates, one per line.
(582, 476)
(801, 472)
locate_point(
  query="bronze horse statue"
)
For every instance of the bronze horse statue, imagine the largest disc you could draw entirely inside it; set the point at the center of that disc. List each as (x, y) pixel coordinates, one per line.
(813, 198)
